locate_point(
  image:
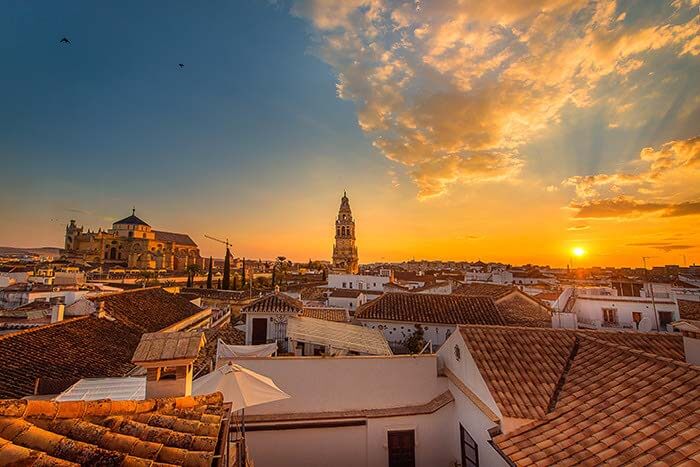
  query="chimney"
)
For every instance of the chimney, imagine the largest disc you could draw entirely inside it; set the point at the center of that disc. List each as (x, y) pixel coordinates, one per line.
(168, 373)
(57, 312)
(691, 340)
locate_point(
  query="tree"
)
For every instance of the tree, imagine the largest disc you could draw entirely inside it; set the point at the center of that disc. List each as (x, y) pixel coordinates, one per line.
(192, 271)
(209, 273)
(416, 341)
(324, 274)
(226, 284)
(243, 275)
(235, 282)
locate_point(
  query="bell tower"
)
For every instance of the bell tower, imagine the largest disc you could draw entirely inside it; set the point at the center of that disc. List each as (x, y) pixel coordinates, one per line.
(344, 251)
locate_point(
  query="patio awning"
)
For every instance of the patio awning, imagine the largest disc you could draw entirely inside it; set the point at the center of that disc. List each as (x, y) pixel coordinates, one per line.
(342, 336)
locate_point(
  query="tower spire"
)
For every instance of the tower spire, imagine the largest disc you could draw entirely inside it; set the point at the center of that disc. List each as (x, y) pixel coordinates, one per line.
(344, 250)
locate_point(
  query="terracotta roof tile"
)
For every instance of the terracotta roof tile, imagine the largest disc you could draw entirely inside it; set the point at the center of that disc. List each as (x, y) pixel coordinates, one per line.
(607, 383)
(67, 351)
(162, 346)
(484, 289)
(326, 313)
(345, 293)
(207, 355)
(274, 303)
(70, 433)
(689, 309)
(430, 308)
(152, 309)
(522, 366)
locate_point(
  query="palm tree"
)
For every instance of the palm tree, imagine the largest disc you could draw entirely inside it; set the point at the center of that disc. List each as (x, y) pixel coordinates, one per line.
(192, 271)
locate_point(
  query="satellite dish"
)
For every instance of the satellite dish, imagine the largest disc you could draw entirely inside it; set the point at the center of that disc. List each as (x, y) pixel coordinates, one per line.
(645, 325)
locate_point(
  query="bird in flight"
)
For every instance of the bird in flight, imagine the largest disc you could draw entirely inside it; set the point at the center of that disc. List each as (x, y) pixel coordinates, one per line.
(65, 40)
(181, 65)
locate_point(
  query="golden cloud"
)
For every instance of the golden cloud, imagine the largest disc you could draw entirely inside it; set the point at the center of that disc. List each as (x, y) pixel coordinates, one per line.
(452, 90)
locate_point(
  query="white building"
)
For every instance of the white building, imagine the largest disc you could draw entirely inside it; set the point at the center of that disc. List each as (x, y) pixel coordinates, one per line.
(358, 282)
(601, 307)
(347, 299)
(308, 331)
(492, 396)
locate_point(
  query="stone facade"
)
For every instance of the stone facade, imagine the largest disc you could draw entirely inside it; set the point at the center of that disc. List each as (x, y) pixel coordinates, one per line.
(344, 251)
(132, 243)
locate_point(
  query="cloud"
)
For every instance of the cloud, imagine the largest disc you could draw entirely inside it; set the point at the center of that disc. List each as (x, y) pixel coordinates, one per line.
(671, 172)
(665, 246)
(579, 227)
(453, 90)
(626, 207)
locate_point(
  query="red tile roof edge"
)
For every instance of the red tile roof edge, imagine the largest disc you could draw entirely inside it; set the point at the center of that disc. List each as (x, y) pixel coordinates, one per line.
(58, 323)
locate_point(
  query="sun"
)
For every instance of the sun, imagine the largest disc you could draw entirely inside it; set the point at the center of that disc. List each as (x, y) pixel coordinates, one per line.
(578, 251)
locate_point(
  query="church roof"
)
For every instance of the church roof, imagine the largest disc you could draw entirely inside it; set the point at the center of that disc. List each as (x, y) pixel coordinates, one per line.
(178, 238)
(132, 220)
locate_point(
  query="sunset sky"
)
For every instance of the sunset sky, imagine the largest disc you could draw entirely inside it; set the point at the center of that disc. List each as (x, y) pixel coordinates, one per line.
(507, 130)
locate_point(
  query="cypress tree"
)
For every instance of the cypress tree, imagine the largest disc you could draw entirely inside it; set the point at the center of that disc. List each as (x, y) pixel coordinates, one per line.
(243, 275)
(226, 285)
(235, 282)
(209, 274)
(274, 270)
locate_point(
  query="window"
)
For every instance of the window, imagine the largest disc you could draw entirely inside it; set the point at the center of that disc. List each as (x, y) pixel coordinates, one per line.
(470, 452)
(343, 284)
(609, 315)
(636, 316)
(402, 448)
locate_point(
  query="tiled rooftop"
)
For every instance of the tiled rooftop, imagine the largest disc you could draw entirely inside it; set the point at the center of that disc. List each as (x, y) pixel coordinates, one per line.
(152, 309)
(66, 351)
(429, 308)
(179, 431)
(522, 366)
(617, 406)
(274, 303)
(345, 293)
(163, 346)
(483, 289)
(228, 334)
(689, 309)
(326, 313)
(521, 310)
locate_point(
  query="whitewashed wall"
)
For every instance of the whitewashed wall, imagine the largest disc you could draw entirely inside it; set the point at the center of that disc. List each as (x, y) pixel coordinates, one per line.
(590, 310)
(397, 331)
(357, 281)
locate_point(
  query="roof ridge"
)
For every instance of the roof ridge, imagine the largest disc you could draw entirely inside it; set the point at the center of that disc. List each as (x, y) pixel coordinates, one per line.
(554, 399)
(642, 353)
(124, 292)
(37, 328)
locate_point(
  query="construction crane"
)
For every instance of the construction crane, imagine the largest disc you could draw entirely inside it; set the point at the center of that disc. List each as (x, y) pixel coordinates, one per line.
(225, 242)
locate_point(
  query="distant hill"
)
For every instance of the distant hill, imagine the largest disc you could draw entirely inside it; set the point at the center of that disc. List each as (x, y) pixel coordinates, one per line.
(41, 251)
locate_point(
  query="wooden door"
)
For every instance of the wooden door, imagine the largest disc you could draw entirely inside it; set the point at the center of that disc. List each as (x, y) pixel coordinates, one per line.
(402, 448)
(259, 331)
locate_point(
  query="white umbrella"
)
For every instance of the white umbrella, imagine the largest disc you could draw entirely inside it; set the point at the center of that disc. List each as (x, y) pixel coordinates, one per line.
(240, 386)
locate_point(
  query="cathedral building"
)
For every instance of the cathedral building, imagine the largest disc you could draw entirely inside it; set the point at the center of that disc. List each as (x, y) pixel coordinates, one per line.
(344, 251)
(131, 242)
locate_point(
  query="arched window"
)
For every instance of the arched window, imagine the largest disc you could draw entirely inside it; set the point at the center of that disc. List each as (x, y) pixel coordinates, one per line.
(112, 253)
(337, 231)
